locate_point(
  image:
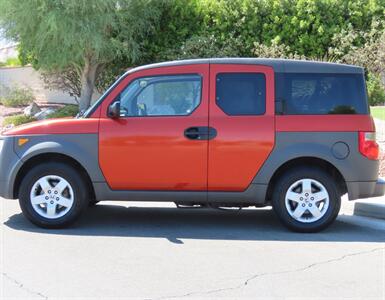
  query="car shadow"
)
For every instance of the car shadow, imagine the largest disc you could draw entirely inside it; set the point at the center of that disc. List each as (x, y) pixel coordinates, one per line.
(178, 224)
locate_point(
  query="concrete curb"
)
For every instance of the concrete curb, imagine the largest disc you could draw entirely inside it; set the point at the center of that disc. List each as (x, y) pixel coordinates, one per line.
(373, 208)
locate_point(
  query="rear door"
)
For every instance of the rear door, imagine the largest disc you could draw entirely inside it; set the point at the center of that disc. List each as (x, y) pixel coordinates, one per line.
(242, 112)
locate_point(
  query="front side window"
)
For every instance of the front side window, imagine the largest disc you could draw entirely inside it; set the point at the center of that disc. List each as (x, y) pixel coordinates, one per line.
(321, 94)
(241, 93)
(174, 95)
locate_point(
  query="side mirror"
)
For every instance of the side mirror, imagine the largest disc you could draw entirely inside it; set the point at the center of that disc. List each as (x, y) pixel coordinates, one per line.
(114, 110)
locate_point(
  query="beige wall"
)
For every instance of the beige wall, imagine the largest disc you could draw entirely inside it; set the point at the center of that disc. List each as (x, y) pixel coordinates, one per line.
(8, 52)
(28, 77)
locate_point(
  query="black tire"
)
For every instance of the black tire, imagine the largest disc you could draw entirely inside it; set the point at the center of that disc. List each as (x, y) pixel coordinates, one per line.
(292, 176)
(92, 203)
(65, 171)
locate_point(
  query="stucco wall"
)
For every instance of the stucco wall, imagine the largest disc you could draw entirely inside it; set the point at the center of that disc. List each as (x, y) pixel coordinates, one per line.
(28, 77)
(8, 52)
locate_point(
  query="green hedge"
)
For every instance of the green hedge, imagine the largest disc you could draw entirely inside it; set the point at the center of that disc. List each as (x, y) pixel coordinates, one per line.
(65, 111)
(376, 92)
(17, 120)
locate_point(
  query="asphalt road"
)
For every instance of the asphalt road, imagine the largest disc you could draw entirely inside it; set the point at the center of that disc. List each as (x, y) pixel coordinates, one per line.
(118, 251)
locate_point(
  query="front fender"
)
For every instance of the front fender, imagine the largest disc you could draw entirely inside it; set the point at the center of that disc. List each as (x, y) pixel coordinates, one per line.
(81, 147)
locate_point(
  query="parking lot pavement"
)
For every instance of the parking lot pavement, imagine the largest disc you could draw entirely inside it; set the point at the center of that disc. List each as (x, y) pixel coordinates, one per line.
(119, 250)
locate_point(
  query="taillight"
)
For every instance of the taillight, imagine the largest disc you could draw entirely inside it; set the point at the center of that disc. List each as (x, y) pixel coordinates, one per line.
(367, 145)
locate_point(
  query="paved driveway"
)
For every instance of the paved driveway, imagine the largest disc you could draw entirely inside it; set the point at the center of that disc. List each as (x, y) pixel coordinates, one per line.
(117, 251)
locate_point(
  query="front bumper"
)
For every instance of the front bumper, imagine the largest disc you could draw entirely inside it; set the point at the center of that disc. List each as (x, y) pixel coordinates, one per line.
(366, 189)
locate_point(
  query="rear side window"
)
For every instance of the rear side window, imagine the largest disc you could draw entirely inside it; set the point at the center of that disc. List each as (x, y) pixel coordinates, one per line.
(321, 94)
(241, 93)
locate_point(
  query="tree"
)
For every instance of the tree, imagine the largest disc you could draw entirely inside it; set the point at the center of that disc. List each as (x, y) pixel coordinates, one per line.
(79, 36)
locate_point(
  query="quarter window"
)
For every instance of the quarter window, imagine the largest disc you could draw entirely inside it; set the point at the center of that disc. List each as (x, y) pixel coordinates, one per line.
(176, 95)
(321, 94)
(241, 93)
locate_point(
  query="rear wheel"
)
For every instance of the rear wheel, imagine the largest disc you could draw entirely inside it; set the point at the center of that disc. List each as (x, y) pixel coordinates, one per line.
(306, 199)
(52, 195)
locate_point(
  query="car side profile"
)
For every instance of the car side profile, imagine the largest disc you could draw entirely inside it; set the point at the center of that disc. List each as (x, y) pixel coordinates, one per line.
(231, 132)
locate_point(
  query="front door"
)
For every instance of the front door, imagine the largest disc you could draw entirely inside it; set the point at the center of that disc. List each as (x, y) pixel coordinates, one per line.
(156, 143)
(242, 112)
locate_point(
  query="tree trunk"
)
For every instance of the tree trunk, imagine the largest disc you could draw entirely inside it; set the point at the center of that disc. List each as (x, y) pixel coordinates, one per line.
(88, 84)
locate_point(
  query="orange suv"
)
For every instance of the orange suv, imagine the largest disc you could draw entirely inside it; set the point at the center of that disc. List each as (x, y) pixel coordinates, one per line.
(296, 135)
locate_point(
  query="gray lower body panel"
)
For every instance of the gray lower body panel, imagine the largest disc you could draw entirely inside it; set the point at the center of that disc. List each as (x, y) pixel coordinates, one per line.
(365, 189)
(4, 190)
(254, 195)
(10, 163)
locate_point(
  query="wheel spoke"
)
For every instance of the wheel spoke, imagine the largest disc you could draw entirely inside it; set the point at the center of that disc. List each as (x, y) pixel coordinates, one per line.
(51, 209)
(61, 186)
(38, 200)
(64, 202)
(306, 186)
(298, 212)
(322, 195)
(315, 211)
(44, 184)
(293, 196)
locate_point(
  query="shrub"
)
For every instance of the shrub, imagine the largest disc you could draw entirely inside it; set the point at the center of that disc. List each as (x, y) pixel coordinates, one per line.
(376, 92)
(17, 120)
(65, 111)
(17, 96)
(4, 90)
(13, 62)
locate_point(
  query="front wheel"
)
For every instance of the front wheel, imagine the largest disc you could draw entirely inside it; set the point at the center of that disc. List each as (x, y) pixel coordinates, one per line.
(52, 195)
(306, 199)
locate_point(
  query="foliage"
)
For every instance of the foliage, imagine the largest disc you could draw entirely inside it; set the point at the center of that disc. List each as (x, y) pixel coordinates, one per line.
(17, 120)
(376, 92)
(11, 62)
(77, 34)
(173, 23)
(179, 20)
(67, 80)
(275, 51)
(17, 96)
(308, 26)
(378, 112)
(365, 47)
(65, 111)
(204, 47)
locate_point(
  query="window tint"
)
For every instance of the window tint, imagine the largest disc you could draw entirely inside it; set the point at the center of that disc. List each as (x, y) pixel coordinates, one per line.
(241, 93)
(322, 93)
(176, 95)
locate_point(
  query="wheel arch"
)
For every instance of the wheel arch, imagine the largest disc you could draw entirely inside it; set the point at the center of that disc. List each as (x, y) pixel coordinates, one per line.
(307, 161)
(49, 157)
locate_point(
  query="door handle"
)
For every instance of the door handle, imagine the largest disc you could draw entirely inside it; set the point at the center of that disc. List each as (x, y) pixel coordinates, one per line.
(200, 133)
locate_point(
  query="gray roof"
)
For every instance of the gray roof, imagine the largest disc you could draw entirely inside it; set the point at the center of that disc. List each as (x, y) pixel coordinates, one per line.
(279, 65)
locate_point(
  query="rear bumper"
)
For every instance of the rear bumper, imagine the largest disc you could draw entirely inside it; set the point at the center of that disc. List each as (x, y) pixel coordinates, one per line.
(366, 189)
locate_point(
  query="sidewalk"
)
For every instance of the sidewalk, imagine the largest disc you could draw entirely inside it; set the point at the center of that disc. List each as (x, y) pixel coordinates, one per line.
(373, 208)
